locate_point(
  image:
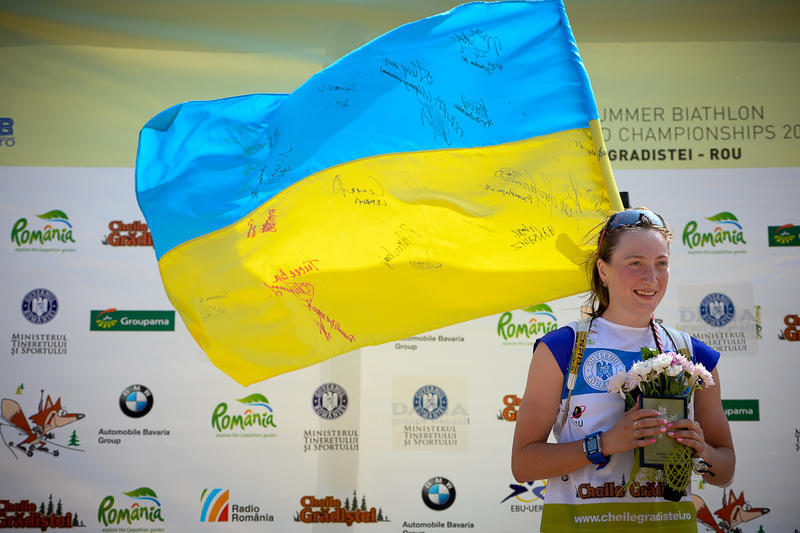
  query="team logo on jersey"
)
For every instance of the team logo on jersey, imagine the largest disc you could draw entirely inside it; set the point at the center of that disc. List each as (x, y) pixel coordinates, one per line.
(717, 309)
(136, 401)
(438, 493)
(329, 401)
(599, 367)
(430, 402)
(39, 306)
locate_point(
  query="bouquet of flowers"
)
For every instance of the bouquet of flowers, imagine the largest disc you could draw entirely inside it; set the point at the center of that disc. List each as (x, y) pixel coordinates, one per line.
(663, 375)
(660, 374)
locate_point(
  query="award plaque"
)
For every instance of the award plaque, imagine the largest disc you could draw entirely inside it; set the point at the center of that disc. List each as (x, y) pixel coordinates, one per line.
(672, 408)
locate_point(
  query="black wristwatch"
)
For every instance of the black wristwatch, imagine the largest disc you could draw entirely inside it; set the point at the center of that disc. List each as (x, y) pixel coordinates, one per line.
(591, 447)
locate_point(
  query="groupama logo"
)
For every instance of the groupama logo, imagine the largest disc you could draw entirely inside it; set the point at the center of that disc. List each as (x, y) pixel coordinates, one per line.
(786, 235)
(57, 229)
(726, 231)
(144, 508)
(114, 319)
(540, 320)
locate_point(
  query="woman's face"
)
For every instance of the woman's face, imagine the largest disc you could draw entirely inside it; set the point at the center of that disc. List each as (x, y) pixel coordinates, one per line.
(637, 275)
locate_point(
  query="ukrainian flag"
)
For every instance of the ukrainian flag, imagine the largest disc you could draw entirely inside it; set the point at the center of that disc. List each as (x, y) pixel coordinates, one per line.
(447, 170)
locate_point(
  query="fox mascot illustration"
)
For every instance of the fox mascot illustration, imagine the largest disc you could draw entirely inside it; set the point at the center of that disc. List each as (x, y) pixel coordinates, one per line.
(732, 514)
(51, 415)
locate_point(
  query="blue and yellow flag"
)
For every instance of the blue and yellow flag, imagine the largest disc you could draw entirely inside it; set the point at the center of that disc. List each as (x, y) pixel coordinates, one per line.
(442, 172)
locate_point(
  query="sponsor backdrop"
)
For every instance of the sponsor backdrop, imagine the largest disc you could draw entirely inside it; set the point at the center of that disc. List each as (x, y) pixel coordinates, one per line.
(143, 433)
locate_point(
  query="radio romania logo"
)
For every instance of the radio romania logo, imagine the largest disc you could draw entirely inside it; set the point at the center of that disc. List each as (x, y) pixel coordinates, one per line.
(215, 505)
(218, 507)
(114, 319)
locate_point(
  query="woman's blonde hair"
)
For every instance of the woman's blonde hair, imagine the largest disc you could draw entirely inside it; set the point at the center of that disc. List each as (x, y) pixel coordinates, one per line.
(607, 241)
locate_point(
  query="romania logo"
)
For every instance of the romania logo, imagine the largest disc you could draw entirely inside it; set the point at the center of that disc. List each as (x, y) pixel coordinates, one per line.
(539, 320)
(104, 320)
(215, 505)
(259, 417)
(727, 232)
(56, 231)
(145, 508)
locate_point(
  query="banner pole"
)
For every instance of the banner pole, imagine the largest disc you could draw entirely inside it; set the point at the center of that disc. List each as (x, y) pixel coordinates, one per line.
(605, 165)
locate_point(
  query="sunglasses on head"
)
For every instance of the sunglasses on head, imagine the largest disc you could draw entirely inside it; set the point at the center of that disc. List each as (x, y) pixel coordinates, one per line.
(630, 217)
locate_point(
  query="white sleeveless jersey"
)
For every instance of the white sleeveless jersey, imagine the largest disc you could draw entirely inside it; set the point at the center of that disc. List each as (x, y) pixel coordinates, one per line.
(592, 498)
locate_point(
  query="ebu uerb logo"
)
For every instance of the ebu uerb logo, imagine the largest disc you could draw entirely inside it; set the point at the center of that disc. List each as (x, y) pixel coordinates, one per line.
(722, 234)
(527, 325)
(53, 232)
(143, 510)
(254, 420)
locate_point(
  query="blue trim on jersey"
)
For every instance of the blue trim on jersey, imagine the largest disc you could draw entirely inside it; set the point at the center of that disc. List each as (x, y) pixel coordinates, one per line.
(560, 341)
(704, 354)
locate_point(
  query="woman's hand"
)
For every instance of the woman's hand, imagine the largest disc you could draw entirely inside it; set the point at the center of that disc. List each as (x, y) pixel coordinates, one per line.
(689, 433)
(636, 429)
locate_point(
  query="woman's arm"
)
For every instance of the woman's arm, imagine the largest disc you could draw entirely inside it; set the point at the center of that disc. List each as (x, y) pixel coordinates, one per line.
(532, 457)
(709, 434)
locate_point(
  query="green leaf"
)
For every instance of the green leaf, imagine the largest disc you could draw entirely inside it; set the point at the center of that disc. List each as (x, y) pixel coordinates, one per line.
(723, 216)
(254, 398)
(55, 213)
(647, 353)
(140, 492)
(540, 307)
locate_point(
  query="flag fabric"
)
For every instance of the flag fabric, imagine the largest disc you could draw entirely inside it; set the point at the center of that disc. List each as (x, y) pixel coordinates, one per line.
(450, 169)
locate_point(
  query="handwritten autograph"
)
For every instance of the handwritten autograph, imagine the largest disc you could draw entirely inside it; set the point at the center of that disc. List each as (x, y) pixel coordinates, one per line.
(404, 239)
(477, 46)
(305, 292)
(528, 235)
(474, 110)
(211, 306)
(434, 110)
(306, 267)
(267, 226)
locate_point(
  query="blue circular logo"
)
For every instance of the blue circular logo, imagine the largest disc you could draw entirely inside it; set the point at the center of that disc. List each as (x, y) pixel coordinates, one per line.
(136, 401)
(438, 493)
(430, 402)
(599, 367)
(329, 401)
(717, 309)
(39, 306)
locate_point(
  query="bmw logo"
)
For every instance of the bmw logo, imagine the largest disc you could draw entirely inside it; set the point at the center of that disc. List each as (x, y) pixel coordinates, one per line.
(438, 493)
(430, 402)
(39, 306)
(136, 401)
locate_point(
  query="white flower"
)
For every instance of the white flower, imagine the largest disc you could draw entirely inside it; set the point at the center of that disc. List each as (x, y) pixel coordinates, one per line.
(616, 384)
(632, 381)
(661, 361)
(678, 359)
(673, 370)
(642, 368)
(700, 371)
